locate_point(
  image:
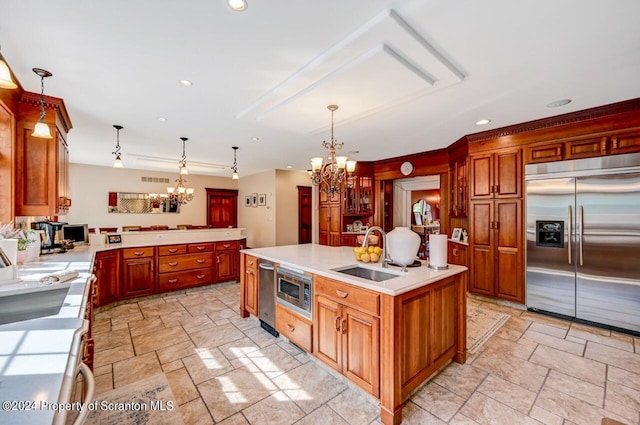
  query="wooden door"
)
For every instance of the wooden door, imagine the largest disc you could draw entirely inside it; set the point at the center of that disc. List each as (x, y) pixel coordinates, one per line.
(481, 255)
(327, 339)
(222, 208)
(509, 250)
(107, 271)
(508, 174)
(323, 224)
(251, 290)
(360, 334)
(226, 265)
(139, 277)
(335, 224)
(304, 214)
(481, 176)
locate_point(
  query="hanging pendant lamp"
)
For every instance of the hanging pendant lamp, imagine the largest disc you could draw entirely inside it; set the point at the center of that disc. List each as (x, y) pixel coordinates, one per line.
(41, 129)
(6, 81)
(117, 163)
(235, 164)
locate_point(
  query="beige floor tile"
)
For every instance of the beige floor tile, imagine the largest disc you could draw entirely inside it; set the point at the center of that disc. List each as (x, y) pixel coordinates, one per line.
(182, 387)
(460, 419)
(541, 318)
(545, 417)
(507, 393)
(214, 337)
(513, 369)
(438, 401)
(195, 413)
(139, 327)
(413, 414)
(485, 410)
(623, 395)
(554, 342)
(462, 379)
(220, 315)
(571, 408)
(104, 383)
(570, 364)
(161, 308)
(113, 339)
(196, 323)
(590, 329)
(171, 366)
(209, 308)
(173, 319)
(246, 323)
(260, 336)
(237, 419)
(577, 388)
(612, 356)
(322, 416)
(273, 360)
(624, 377)
(620, 341)
(176, 352)
(238, 348)
(101, 325)
(235, 391)
(160, 339)
(504, 346)
(206, 364)
(121, 311)
(309, 386)
(97, 371)
(343, 404)
(277, 409)
(112, 355)
(513, 328)
(135, 369)
(613, 410)
(548, 329)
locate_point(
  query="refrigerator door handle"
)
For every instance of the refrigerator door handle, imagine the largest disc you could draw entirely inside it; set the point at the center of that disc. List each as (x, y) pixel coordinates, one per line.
(570, 232)
(581, 230)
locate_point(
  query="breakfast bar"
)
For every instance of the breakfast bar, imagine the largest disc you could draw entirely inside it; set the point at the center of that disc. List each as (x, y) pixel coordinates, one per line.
(385, 329)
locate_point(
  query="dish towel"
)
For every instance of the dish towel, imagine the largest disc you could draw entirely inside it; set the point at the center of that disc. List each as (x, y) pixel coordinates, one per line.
(59, 277)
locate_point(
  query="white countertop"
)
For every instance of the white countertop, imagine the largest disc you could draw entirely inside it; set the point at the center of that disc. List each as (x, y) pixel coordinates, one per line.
(322, 260)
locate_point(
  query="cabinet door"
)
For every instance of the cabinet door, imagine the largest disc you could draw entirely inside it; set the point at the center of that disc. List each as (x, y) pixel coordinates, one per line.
(226, 265)
(509, 251)
(349, 240)
(334, 225)
(625, 143)
(457, 254)
(481, 178)
(458, 188)
(481, 258)
(327, 339)
(361, 353)
(251, 291)
(139, 277)
(546, 152)
(508, 174)
(107, 271)
(586, 148)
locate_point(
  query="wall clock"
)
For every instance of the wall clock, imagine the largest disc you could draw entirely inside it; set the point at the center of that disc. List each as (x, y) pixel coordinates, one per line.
(406, 168)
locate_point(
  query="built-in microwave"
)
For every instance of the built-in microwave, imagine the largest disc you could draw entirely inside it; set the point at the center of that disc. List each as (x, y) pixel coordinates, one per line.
(295, 289)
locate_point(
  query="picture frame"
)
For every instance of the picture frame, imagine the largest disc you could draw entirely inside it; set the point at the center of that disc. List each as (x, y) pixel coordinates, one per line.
(428, 217)
(247, 201)
(262, 199)
(114, 239)
(457, 234)
(254, 200)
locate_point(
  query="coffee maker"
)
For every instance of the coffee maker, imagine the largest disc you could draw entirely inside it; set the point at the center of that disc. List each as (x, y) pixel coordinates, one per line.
(49, 238)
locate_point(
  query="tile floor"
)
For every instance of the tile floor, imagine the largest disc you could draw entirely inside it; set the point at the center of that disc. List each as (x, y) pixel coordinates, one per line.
(224, 369)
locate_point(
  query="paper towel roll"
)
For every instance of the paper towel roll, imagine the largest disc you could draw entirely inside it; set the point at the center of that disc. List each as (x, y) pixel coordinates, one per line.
(438, 250)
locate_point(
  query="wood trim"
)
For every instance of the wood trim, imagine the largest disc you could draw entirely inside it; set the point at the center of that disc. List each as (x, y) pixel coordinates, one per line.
(50, 102)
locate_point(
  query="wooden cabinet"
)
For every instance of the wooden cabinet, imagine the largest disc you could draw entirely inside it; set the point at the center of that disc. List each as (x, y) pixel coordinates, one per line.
(347, 331)
(249, 287)
(496, 249)
(458, 177)
(106, 268)
(457, 253)
(329, 223)
(349, 240)
(496, 174)
(294, 327)
(227, 259)
(358, 196)
(138, 270)
(183, 266)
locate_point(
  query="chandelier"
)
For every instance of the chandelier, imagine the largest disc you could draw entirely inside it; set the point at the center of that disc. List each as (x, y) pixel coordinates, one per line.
(41, 129)
(329, 175)
(180, 193)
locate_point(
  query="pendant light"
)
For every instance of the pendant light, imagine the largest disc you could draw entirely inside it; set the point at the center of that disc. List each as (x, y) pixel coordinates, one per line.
(235, 164)
(6, 81)
(41, 129)
(238, 5)
(117, 163)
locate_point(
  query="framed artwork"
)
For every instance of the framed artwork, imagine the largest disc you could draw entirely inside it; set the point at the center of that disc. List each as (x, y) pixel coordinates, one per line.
(247, 201)
(262, 199)
(457, 234)
(254, 199)
(114, 239)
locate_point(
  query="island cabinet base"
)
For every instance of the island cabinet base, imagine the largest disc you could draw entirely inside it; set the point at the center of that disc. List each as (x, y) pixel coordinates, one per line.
(421, 331)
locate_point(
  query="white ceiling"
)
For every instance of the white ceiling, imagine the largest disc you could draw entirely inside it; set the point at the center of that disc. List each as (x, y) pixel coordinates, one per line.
(409, 76)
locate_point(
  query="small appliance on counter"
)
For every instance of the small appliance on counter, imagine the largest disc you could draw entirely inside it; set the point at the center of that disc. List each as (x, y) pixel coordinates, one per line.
(49, 238)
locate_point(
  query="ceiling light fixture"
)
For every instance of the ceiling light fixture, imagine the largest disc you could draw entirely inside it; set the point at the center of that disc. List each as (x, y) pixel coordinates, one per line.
(6, 81)
(483, 122)
(328, 176)
(235, 176)
(118, 161)
(238, 5)
(181, 194)
(558, 103)
(186, 83)
(41, 129)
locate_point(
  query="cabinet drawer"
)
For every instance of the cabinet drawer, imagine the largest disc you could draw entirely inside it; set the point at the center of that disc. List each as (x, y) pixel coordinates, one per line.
(141, 252)
(178, 280)
(172, 249)
(184, 262)
(226, 245)
(250, 262)
(295, 328)
(348, 294)
(200, 247)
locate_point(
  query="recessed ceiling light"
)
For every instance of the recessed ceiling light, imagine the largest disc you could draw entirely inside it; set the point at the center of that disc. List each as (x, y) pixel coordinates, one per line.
(483, 122)
(238, 5)
(186, 83)
(557, 103)
(255, 139)
(289, 166)
(162, 119)
(353, 152)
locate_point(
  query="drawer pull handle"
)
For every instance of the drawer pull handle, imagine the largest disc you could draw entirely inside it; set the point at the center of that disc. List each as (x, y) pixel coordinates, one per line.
(227, 245)
(338, 324)
(200, 260)
(138, 253)
(200, 276)
(455, 252)
(342, 294)
(251, 263)
(173, 263)
(291, 328)
(173, 250)
(200, 248)
(172, 281)
(343, 326)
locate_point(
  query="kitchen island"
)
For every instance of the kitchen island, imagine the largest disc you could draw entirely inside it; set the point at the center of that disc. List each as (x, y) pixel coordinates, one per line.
(387, 337)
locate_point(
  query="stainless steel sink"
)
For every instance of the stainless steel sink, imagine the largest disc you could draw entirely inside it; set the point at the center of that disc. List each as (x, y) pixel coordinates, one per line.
(365, 273)
(18, 305)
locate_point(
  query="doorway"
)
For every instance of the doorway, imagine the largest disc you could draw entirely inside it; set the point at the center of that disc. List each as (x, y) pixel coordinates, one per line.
(304, 214)
(222, 208)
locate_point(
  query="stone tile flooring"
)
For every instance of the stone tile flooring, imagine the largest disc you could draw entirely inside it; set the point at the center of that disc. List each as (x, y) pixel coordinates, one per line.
(224, 369)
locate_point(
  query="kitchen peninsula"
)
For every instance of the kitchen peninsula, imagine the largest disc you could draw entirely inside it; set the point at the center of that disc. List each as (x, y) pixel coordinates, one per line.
(387, 337)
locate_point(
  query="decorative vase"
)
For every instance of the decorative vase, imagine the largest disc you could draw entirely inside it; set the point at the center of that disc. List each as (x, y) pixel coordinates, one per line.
(402, 245)
(21, 256)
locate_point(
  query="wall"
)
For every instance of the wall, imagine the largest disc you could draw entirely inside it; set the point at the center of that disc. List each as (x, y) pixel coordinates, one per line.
(287, 183)
(260, 220)
(90, 185)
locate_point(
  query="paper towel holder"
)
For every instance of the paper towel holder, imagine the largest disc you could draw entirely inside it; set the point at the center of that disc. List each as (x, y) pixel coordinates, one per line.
(445, 267)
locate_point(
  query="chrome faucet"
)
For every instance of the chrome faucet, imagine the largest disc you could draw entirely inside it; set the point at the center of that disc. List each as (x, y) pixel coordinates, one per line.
(385, 255)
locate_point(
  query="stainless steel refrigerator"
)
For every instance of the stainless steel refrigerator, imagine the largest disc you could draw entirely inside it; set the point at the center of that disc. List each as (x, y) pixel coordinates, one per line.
(583, 239)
